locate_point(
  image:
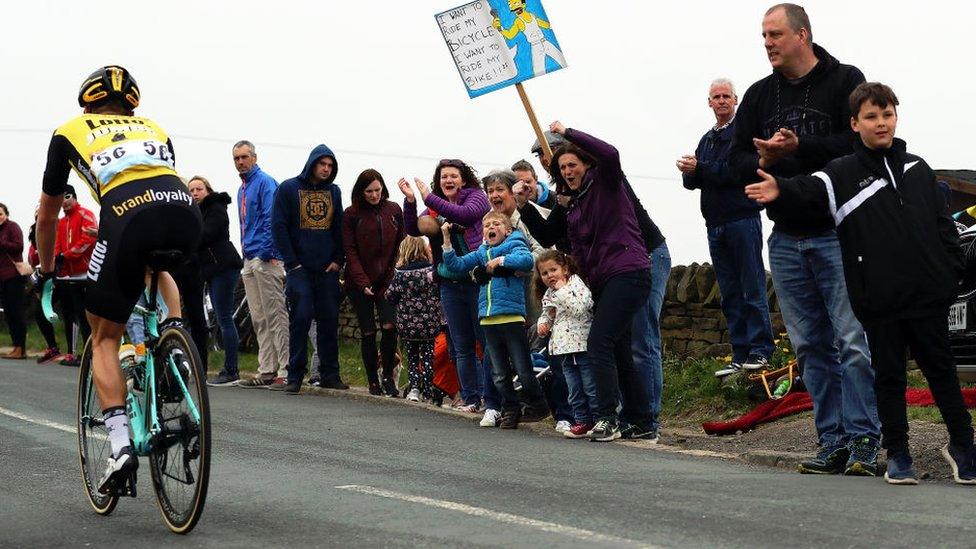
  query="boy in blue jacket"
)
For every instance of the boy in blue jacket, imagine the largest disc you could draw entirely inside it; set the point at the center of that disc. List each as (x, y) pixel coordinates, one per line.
(501, 307)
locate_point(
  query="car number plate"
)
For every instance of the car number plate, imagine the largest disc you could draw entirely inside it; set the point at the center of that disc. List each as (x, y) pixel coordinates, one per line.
(957, 317)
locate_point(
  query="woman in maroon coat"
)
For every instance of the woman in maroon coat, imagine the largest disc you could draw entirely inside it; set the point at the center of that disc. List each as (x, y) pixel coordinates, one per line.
(372, 228)
(11, 282)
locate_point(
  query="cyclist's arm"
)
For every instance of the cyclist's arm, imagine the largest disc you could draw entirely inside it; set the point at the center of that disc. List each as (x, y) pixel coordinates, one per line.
(59, 157)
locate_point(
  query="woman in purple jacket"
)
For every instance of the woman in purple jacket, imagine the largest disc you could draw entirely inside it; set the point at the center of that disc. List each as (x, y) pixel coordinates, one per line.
(606, 242)
(457, 198)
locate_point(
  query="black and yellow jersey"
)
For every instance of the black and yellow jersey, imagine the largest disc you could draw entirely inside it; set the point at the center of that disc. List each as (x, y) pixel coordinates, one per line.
(107, 151)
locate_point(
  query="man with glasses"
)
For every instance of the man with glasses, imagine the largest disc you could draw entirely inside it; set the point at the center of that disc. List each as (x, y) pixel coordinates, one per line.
(73, 248)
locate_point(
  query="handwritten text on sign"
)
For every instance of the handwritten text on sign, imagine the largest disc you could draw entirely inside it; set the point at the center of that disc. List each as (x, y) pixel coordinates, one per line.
(480, 52)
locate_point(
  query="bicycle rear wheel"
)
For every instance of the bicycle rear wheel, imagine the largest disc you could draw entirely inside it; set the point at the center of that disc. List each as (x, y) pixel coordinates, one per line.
(180, 458)
(94, 447)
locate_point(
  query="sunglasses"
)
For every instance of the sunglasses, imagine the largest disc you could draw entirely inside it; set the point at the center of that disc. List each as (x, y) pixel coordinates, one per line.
(452, 162)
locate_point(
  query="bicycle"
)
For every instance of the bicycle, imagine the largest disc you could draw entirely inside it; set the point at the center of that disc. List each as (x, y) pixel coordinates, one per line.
(169, 413)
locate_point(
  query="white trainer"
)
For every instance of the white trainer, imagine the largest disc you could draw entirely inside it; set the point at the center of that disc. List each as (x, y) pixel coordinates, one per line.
(491, 418)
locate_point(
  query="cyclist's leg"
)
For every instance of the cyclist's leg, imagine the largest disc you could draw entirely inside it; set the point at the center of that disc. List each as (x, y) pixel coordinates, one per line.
(169, 292)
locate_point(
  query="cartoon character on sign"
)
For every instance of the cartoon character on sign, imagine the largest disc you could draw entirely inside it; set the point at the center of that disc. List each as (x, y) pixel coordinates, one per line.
(531, 26)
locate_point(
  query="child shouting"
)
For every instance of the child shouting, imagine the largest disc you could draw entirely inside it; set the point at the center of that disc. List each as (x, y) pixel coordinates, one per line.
(501, 308)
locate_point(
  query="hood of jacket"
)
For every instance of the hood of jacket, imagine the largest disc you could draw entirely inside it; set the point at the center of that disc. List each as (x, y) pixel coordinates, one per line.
(317, 154)
(826, 63)
(214, 199)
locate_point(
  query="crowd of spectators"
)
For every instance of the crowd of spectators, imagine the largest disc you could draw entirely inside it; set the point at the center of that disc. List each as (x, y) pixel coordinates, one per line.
(550, 295)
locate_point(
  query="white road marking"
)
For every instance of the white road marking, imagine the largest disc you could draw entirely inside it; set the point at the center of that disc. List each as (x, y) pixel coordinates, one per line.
(570, 531)
(46, 423)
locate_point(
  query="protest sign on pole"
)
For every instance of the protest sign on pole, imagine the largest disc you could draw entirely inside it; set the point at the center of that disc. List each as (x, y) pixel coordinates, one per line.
(500, 43)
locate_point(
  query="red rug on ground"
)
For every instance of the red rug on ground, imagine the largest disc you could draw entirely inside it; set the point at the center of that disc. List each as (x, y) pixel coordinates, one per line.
(795, 403)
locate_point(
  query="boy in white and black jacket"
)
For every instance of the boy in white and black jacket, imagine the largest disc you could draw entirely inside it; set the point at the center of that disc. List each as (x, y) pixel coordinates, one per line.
(902, 265)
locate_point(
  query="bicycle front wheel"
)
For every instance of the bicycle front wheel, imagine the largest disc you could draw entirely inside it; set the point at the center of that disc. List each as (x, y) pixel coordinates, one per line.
(180, 458)
(94, 447)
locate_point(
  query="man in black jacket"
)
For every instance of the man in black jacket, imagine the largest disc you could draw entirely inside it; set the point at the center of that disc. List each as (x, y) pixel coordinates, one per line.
(902, 263)
(793, 122)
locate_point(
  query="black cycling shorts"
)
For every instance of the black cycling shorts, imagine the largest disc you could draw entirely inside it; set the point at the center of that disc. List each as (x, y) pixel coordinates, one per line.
(136, 218)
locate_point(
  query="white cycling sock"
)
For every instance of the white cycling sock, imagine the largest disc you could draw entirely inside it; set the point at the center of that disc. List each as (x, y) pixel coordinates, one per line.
(117, 424)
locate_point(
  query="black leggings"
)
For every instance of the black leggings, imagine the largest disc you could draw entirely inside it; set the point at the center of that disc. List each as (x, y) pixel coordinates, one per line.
(608, 345)
(71, 295)
(366, 308)
(12, 296)
(46, 328)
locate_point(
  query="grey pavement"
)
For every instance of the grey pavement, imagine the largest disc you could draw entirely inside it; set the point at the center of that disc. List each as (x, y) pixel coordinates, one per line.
(330, 471)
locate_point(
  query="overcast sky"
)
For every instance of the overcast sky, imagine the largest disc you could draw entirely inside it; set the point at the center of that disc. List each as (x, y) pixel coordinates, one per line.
(374, 81)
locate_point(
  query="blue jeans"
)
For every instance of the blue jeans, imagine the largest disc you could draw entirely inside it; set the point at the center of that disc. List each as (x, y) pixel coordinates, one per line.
(460, 303)
(508, 348)
(313, 295)
(555, 389)
(646, 340)
(829, 342)
(582, 388)
(736, 250)
(222, 287)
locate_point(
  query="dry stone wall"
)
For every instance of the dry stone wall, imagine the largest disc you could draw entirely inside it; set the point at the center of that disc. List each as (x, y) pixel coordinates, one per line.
(692, 323)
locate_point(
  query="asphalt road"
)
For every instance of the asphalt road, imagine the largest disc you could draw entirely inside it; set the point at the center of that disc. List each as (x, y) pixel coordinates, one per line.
(332, 471)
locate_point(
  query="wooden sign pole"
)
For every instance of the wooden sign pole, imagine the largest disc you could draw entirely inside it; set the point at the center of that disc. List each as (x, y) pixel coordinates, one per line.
(547, 152)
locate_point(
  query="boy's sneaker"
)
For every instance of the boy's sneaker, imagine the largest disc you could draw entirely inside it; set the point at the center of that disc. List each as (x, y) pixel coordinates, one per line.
(256, 382)
(562, 426)
(605, 430)
(829, 461)
(120, 470)
(70, 360)
(509, 419)
(729, 369)
(50, 354)
(635, 432)
(900, 470)
(863, 460)
(491, 418)
(414, 395)
(963, 463)
(756, 362)
(579, 430)
(223, 379)
(315, 380)
(375, 389)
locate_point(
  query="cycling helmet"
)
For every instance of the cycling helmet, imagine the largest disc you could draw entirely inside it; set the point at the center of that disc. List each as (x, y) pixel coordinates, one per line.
(111, 81)
(554, 140)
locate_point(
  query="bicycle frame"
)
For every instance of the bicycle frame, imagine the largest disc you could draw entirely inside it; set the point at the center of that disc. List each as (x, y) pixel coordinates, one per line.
(146, 428)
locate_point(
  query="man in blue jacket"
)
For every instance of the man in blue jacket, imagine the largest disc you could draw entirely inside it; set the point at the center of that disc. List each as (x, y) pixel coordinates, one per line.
(263, 274)
(734, 236)
(306, 224)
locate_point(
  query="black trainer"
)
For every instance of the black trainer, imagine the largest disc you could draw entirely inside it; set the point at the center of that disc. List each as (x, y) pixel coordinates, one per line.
(390, 388)
(829, 461)
(863, 460)
(537, 412)
(636, 432)
(605, 430)
(334, 383)
(509, 419)
(223, 379)
(120, 474)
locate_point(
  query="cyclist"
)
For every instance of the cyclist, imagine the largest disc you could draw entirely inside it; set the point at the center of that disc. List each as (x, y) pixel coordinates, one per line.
(128, 163)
